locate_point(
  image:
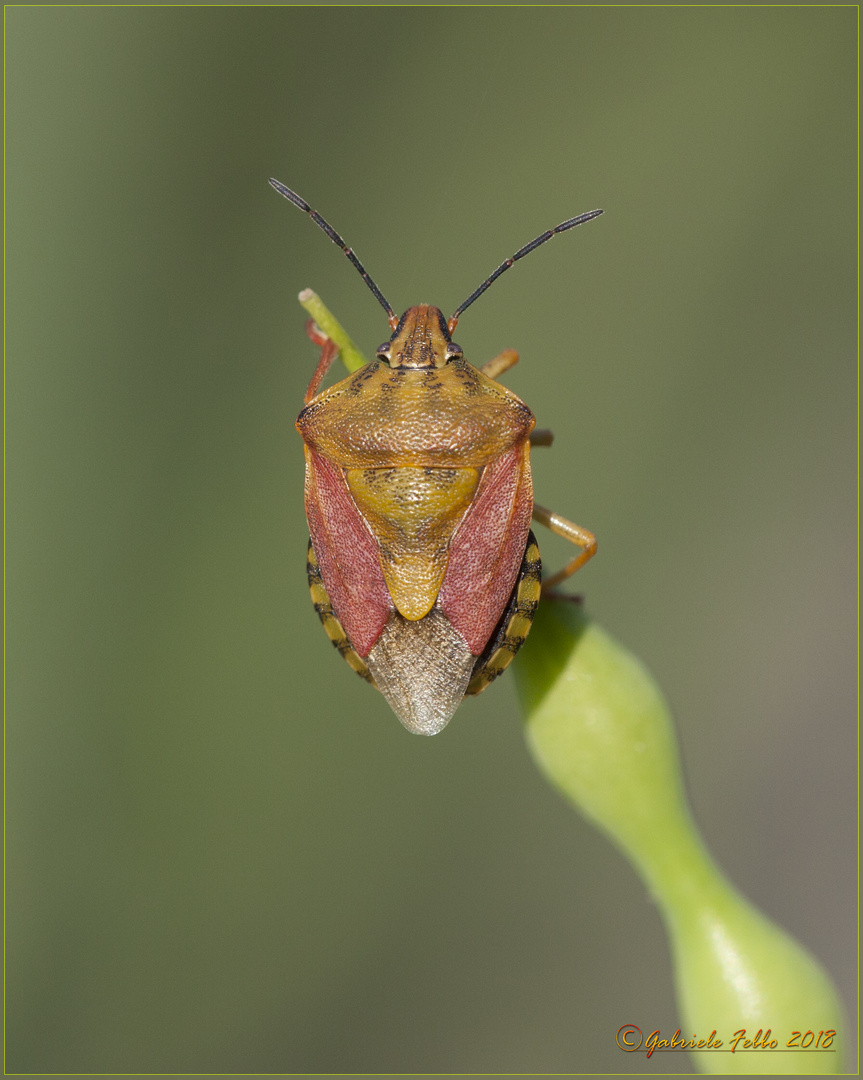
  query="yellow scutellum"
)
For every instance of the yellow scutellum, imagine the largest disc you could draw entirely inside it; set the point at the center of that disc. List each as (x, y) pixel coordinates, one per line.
(600, 730)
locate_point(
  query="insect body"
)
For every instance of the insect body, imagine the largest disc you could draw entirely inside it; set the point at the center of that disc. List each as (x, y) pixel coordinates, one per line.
(421, 562)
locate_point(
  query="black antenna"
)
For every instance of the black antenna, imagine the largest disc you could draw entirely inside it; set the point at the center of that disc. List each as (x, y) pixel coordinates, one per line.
(293, 197)
(519, 255)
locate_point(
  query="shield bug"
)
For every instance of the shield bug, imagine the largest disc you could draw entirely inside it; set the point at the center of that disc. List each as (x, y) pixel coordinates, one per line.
(421, 563)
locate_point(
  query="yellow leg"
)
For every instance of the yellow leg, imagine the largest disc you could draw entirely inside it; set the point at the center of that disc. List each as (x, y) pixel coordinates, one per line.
(574, 533)
(500, 363)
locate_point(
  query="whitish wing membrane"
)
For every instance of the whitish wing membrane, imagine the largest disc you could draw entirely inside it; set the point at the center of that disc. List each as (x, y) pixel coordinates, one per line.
(422, 668)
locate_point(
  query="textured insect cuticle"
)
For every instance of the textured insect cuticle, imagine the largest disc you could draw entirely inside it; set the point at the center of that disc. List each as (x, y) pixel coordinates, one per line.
(332, 627)
(514, 625)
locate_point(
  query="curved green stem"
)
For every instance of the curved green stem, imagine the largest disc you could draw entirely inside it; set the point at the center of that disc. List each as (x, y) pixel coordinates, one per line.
(600, 730)
(351, 356)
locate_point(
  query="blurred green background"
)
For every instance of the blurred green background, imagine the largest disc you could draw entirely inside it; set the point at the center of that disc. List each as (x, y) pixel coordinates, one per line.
(223, 851)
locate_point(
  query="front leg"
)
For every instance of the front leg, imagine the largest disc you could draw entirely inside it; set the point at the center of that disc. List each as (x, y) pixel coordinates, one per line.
(329, 351)
(500, 363)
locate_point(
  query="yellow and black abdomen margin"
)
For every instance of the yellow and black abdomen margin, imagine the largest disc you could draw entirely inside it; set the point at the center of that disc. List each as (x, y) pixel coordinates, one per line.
(514, 624)
(324, 608)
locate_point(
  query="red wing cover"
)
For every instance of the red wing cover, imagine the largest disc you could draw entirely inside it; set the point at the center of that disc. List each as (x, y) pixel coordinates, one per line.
(488, 547)
(347, 554)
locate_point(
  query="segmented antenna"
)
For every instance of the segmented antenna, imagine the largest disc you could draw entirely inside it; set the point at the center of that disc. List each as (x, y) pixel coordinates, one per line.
(520, 255)
(293, 197)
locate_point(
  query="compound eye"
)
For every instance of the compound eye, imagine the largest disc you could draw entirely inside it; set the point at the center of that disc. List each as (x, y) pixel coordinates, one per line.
(384, 352)
(453, 351)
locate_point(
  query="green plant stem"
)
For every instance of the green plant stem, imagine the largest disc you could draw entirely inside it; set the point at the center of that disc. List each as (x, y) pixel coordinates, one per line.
(601, 732)
(351, 356)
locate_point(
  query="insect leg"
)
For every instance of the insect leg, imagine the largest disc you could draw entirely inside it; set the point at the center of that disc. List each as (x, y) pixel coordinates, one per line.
(329, 351)
(569, 531)
(500, 363)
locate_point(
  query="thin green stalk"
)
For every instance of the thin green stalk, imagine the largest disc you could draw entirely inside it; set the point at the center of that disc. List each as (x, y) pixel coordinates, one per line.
(600, 730)
(351, 356)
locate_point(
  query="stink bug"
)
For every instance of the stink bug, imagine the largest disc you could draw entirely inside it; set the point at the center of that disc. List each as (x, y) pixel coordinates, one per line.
(421, 563)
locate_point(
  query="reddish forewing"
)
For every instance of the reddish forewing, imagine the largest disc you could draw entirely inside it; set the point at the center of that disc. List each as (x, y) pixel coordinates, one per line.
(347, 553)
(488, 547)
